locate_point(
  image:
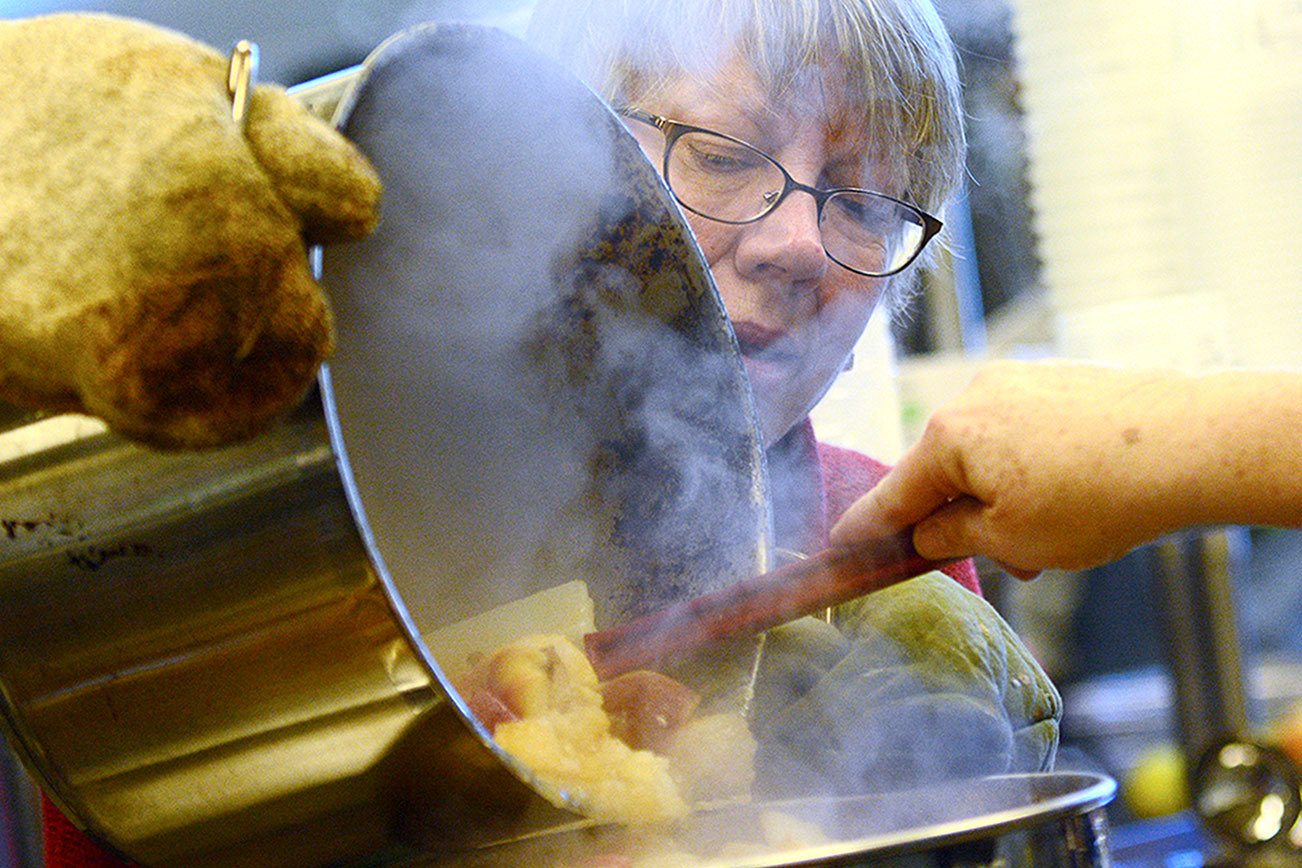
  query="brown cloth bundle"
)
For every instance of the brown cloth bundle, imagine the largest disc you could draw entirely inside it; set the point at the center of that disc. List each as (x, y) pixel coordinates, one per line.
(153, 264)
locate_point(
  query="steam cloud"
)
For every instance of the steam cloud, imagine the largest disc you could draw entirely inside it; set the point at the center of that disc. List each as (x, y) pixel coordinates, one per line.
(532, 389)
(533, 383)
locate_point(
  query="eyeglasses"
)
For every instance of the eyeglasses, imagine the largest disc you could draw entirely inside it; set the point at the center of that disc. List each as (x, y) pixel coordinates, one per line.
(725, 179)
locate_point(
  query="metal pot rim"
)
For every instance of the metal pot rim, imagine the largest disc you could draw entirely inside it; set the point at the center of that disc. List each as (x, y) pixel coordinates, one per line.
(1066, 794)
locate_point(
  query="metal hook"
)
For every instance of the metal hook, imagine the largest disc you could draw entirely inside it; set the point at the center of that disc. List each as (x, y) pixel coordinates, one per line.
(241, 78)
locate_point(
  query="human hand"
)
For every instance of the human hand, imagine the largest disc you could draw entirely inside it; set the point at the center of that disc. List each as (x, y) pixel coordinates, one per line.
(1036, 465)
(153, 268)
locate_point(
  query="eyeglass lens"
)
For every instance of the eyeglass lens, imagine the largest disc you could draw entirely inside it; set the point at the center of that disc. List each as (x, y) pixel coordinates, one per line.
(729, 181)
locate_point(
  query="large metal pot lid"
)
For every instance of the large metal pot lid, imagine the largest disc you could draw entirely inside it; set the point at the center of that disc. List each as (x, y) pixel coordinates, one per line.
(874, 828)
(535, 379)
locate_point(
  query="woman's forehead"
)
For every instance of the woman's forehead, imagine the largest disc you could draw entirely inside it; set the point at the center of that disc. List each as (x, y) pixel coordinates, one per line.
(735, 100)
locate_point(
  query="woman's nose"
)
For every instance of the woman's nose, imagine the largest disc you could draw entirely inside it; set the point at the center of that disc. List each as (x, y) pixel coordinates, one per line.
(786, 240)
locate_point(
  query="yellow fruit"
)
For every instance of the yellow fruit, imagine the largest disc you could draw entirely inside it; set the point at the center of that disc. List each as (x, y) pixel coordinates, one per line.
(1156, 785)
(1287, 734)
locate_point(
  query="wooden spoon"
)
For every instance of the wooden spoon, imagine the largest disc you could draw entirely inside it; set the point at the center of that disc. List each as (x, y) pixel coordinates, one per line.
(828, 578)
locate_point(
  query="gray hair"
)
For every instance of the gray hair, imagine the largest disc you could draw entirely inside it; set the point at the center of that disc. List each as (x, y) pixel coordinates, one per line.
(896, 59)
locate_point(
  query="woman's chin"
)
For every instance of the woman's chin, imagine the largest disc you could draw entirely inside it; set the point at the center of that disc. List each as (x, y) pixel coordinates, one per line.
(769, 382)
(775, 420)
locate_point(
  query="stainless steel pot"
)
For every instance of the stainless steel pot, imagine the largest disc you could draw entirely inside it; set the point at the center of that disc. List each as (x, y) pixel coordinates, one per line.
(221, 658)
(1049, 820)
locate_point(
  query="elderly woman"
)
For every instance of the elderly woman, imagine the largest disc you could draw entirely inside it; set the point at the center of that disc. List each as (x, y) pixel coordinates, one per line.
(810, 143)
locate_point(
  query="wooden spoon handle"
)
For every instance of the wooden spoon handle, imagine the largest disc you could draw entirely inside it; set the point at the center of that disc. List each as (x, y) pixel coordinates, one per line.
(830, 577)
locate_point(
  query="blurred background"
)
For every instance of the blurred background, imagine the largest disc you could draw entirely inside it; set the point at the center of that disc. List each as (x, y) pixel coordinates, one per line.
(1134, 197)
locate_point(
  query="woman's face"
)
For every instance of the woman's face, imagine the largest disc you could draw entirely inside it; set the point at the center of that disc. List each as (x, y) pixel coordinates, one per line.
(796, 313)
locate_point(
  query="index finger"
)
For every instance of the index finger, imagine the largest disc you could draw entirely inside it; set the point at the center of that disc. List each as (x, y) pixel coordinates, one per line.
(911, 491)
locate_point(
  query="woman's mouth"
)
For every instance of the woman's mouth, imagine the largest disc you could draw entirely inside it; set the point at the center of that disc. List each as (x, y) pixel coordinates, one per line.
(760, 342)
(768, 354)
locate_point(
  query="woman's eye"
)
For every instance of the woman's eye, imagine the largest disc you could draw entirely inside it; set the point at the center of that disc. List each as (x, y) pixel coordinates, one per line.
(864, 210)
(721, 158)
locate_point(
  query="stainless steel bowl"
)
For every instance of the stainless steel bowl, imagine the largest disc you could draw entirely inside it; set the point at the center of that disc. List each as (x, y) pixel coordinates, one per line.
(221, 658)
(1047, 820)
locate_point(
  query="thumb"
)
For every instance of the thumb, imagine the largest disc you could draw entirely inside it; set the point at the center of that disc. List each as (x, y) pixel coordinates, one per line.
(318, 173)
(962, 529)
(953, 531)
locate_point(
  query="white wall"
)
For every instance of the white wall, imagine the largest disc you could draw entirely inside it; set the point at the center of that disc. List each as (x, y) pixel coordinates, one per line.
(1165, 145)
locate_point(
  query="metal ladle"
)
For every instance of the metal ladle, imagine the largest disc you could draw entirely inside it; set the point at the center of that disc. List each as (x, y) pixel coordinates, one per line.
(1245, 793)
(1248, 795)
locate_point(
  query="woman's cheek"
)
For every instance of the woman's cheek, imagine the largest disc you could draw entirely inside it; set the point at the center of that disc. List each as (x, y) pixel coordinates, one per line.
(849, 301)
(711, 236)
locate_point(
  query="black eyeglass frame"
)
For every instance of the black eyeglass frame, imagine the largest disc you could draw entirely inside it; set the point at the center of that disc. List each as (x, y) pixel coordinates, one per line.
(674, 130)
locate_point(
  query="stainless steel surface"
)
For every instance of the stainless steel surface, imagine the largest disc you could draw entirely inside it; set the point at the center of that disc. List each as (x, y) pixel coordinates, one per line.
(219, 657)
(1201, 633)
(20, 824)
(322, 96)
(585, 391)
(10, 415)
(1249, 796)
(1034, 820)
(1245, 794)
